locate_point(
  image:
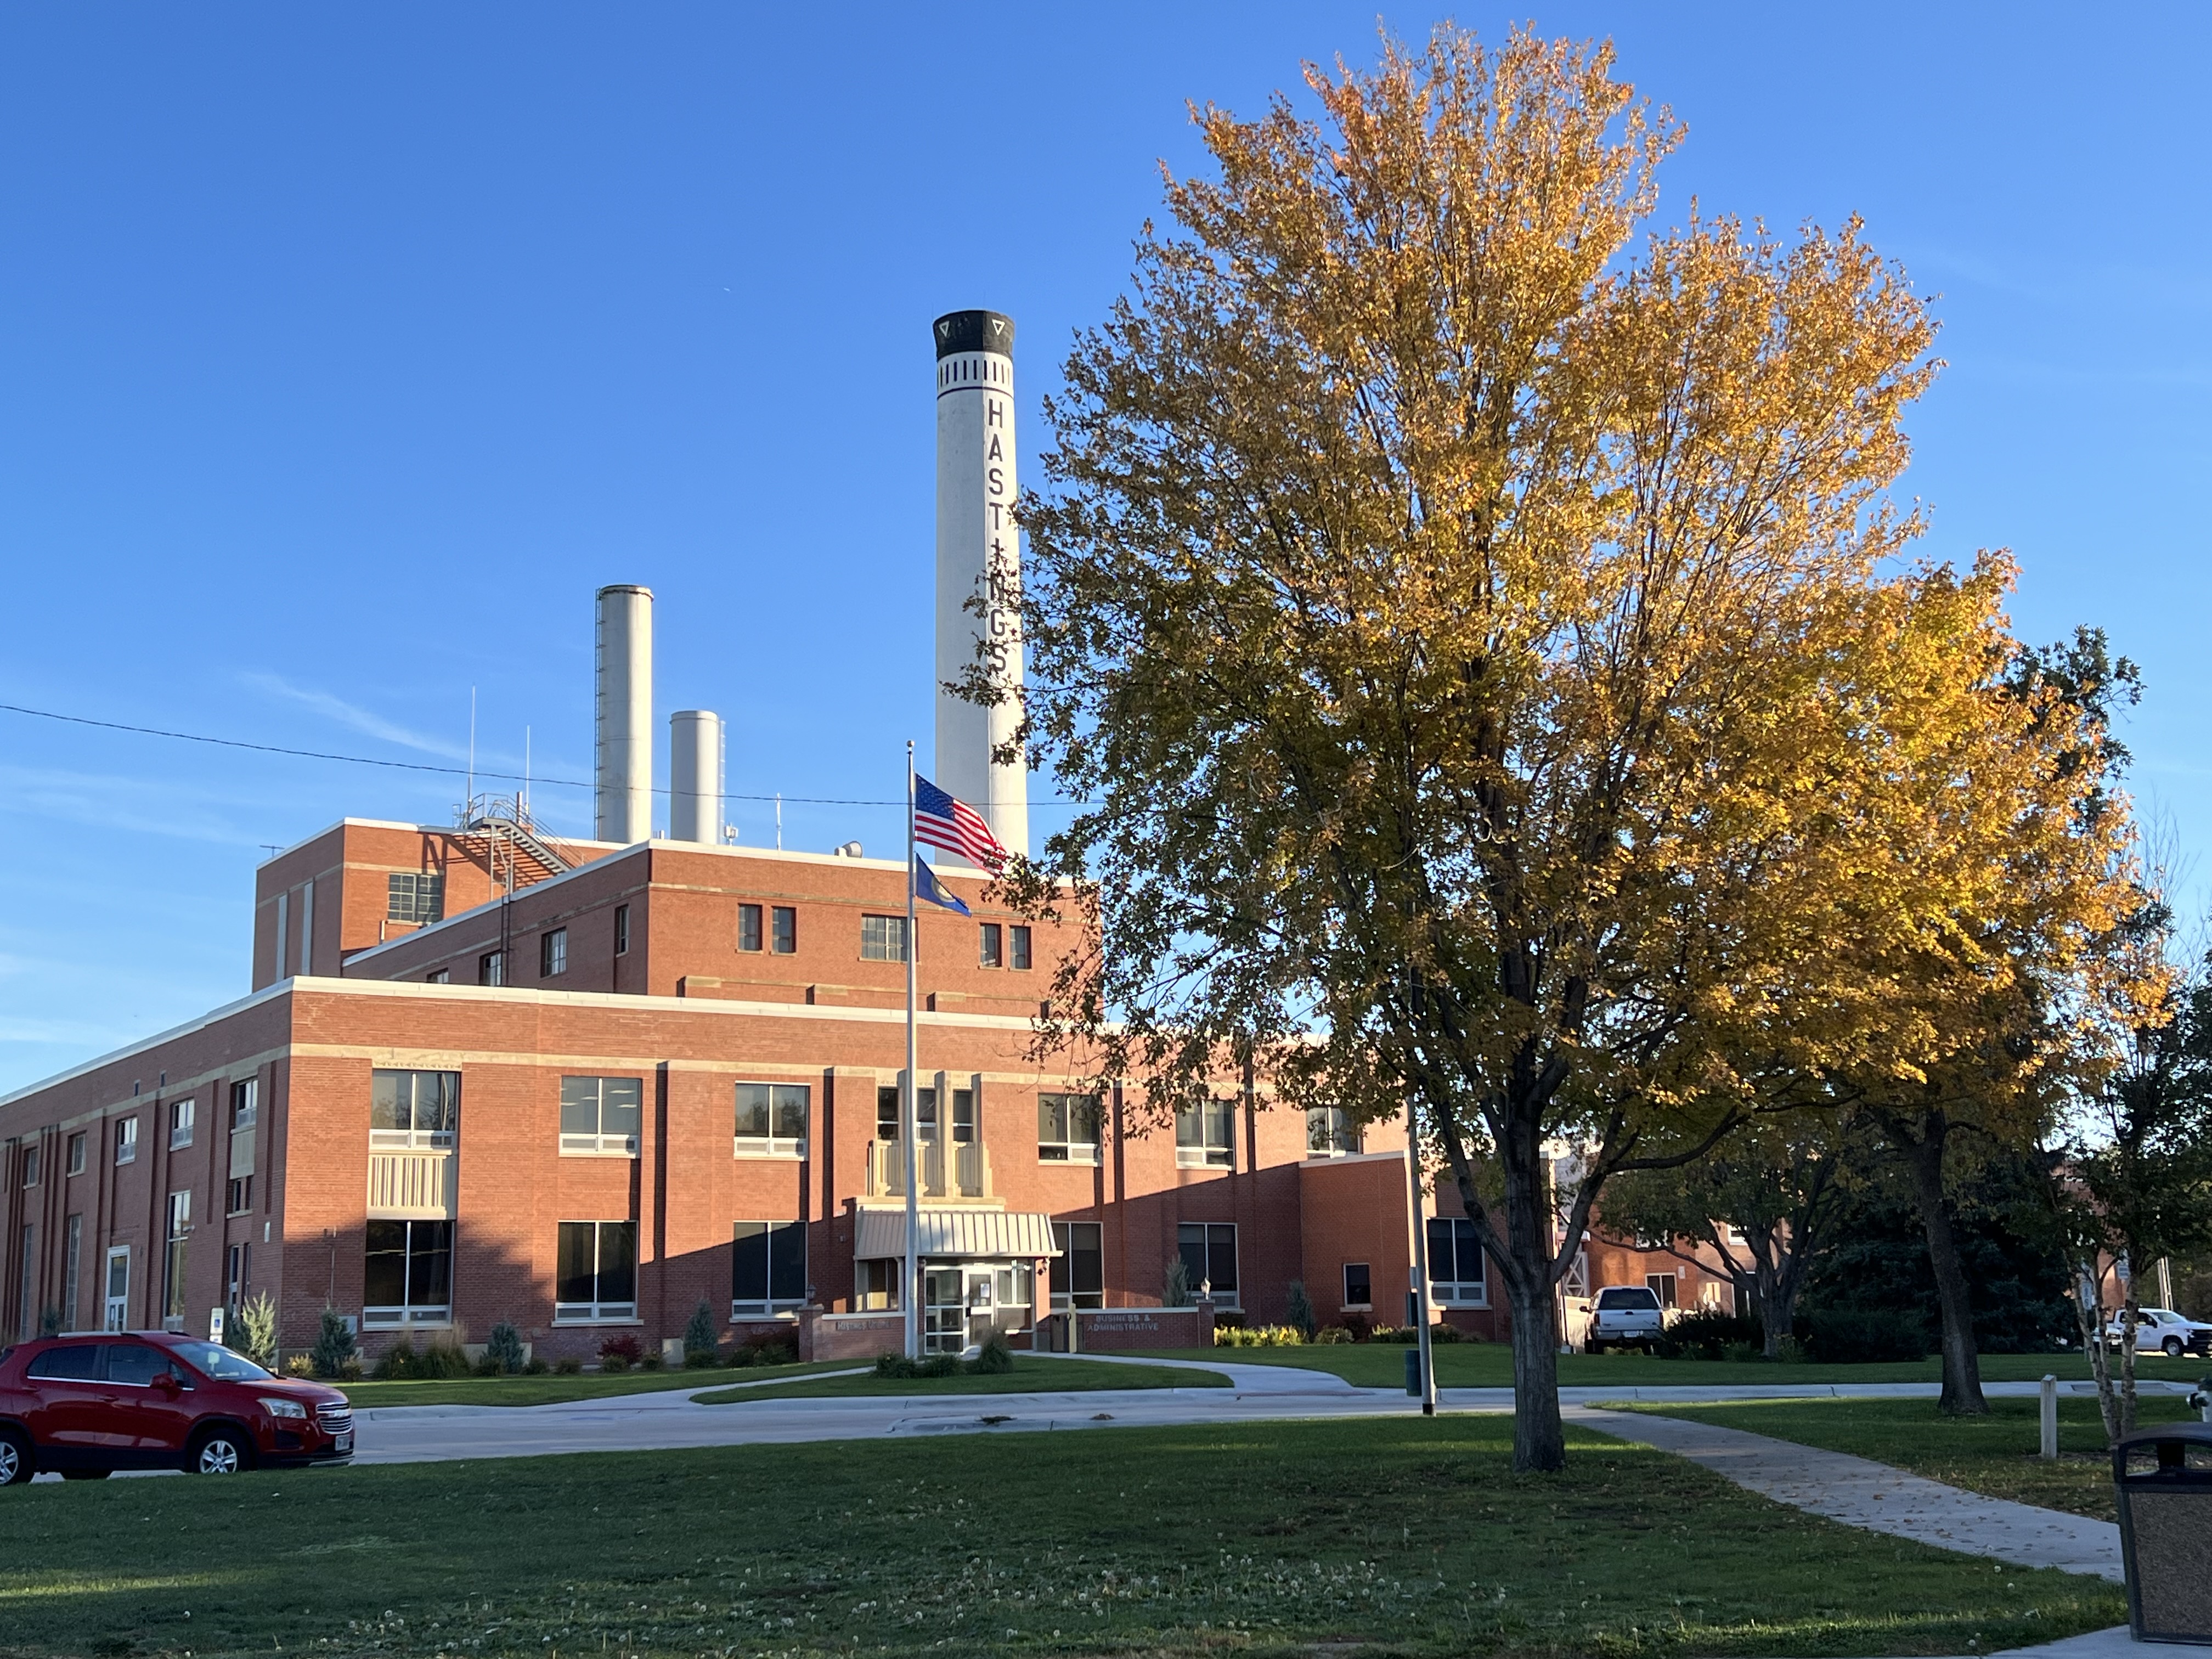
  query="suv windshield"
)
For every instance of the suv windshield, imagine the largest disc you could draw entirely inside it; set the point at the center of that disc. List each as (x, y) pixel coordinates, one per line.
(223, 1364)
(1628, 1300)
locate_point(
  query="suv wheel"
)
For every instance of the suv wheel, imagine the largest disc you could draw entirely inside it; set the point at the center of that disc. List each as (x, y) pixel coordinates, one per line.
(220, 1451)
(15, 1466)
(2174, 1347)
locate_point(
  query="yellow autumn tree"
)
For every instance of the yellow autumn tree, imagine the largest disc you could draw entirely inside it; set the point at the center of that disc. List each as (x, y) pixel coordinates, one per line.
(1466, 622)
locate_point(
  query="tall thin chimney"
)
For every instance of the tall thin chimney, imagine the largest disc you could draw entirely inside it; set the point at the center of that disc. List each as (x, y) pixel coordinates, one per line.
(624, 715)
(978, 553)
(694, 776)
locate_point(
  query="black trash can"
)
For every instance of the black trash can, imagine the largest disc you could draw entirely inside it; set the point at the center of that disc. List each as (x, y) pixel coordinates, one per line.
(2163, 1479)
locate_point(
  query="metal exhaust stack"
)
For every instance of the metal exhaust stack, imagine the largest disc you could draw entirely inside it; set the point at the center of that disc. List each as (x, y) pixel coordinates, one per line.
(623, 809)
(694, 776)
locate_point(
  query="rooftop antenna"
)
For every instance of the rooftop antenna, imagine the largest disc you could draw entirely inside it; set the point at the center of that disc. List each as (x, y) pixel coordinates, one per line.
(779, 821)
(525, 773)
(471, 801)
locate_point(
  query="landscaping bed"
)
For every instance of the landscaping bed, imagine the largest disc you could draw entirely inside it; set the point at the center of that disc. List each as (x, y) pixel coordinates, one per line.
(1257, 1538)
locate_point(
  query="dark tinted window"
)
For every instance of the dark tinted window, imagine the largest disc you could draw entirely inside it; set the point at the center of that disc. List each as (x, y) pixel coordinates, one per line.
(1628, 1300)
(135, 1363)
(80, 1362)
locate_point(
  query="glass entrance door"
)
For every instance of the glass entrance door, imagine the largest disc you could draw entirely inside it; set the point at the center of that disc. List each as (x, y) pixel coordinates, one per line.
(943, 1309)
(983, 1305)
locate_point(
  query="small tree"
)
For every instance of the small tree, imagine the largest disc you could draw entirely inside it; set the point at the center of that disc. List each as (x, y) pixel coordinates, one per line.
(253, 1332)
(1175, 1287)
(1302, 1312)
(503, 1348)
(334, 1346)
(703, 1337)
(50, 1322)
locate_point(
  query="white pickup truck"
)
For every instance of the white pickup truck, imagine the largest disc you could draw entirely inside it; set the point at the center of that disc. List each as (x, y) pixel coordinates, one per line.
(1624, 1316)
(2162, 1330)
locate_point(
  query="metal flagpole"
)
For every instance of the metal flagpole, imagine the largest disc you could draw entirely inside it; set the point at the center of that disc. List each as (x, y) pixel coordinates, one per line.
(910, 1291)
(1418, 1304)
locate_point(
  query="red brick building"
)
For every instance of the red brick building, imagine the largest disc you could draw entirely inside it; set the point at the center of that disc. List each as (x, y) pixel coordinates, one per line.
(485, 1075)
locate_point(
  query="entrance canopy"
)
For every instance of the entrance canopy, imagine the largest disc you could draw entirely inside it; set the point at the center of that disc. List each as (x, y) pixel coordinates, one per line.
(940, 1233)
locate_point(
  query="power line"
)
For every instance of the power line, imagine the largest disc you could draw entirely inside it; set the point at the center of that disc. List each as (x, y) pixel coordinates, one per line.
(395, 765)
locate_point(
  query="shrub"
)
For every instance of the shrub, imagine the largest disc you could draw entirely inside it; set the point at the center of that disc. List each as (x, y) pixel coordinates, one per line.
(300, 1364)
(1359, 1325)
(996, 1359)
(703, 1337)
(1258, 1336)
(1174, 1286)
(768, 1351)
(254, 1333)
(1707, 1333)
(334, 1347)
(444, 1358)
(1332, 1335)
(1834, 1336)
(398, 1363)
(1301, 1310)
(1741, 1352)
(569, 1367)
(620, 1351)
(534, 1366)
(1441, 1332)
(503, 1349)
(899, 1366)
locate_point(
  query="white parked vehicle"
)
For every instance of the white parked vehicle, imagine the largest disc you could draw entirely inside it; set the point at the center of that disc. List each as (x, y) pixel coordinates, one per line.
(2162, 1330)
(1624, 1316)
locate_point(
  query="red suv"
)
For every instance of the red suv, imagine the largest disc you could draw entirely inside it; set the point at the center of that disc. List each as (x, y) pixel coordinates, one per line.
(87, 1405)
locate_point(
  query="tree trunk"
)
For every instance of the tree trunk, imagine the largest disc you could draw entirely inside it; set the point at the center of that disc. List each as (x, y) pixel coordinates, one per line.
(1962, 1369)
(1540, 1438)
(1540, 1444)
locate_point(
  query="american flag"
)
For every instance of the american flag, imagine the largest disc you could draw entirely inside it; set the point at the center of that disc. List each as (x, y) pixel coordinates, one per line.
(954, 826)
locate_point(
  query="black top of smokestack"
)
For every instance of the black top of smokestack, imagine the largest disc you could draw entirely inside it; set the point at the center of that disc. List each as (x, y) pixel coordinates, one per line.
(975, 331)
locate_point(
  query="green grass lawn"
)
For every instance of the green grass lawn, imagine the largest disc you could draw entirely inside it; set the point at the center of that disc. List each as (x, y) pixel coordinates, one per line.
(1490, 1364)
(1995, 1455)
(1259, 1539)
(551, 1389)
(1029, 1376)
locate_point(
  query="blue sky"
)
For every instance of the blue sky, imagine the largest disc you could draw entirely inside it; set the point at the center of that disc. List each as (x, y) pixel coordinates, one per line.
(344, 350)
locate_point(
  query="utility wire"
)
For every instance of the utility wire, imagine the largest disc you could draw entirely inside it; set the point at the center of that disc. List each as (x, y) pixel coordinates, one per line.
(395, 765)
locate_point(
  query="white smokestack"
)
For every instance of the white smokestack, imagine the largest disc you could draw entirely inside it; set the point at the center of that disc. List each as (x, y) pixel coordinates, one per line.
(694, 776)
(978, 552)
(624, 806)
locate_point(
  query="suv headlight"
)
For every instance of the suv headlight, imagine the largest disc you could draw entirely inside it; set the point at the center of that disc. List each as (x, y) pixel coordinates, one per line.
(276, 1407)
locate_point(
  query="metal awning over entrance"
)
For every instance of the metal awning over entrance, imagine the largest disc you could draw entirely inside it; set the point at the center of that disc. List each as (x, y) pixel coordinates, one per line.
(1002, 1234)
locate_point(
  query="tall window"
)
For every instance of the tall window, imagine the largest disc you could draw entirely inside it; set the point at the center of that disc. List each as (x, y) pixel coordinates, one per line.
(1330, 1132)
(964, 1117)
(553, 953)
(1208, 1249)
(883, 939)
(783, 937)
(116, 1313)
(126, 1141)
(408, 1275)
(1456, 1266)
(1067, 1128)
(887, 1112)
(1079, 1272)
(1017, 945)
(76, 1153)
(1358, 1286)
(1203, 1137)
(31, 1165)
(767, 1268)
(771, 1119)
(173, 1259)
(181, 1123)
(244, 1110)
(600, 1114)
(491, 968)
(72, 1255)
(990, 952)
(622, 930)
(1664, 1286)
(596, 1275)
(234, 1276)
(748, 927)
(414, 1109)
(415, 898)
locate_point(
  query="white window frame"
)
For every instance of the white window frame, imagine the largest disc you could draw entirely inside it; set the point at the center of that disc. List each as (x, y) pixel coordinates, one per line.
(772, 1144)
(892, 930)
(553, 953)
(411, 1139)
(73, 1154)
(597, 1313)
(31, 1164)
(1458, 1292)
(406, 1315)
(1069, 1150)
(773, 1306)
(491, 968)
(1339, 1121)
(1343, 1284)
(1669, 1300)
(182, 1112)
(1063, 1235)
(1021, 949)
(126, 1140)
(1203, 1154)
(600, 1143)
(115, 1305)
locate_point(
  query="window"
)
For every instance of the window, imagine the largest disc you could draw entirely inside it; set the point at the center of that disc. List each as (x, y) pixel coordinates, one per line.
(234, 1276)
(749, 928)
(1079, 1272)
(408, 1275)
(116, 1313)
(992, 951)
(1455, 1265)
(414, 1109)
(181, 1123)
(245, 1113)
(72, 1256)
(1018, 944)
(31, 1165)
(415, 898)
(240, 1198)
(78, 1363)
(1330, 1132)
(1358, 1286)
(173, 1259)
(783, 937)
(883, 939)
(76, 1153)
(600, 1114)
(596, 1277)
(1202, 1134)
(964, 1117)
(126, 1141)
(767, 1268)
(771, 1119)
(1618, 1298)
(440, 976)
(1067, 1128)
(1209, 1256)
(875, 1285)
(622, 930)
(491, 968)
(887, 1112)
(1662, 1286)
(553, 953)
